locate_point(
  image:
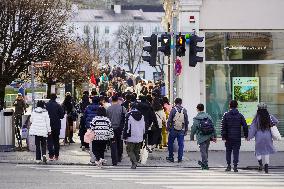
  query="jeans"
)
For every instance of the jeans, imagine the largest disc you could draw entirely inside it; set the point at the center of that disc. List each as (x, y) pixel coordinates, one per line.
(180, 138)
(235, 147)
(133, 151)
(98, 148)
(117, 147)
(40, 143)
(53, 143)
(204, 146)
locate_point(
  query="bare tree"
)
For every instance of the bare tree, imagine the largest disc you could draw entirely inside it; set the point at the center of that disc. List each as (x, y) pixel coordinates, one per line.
(131, 45)
(28, 29)
(72, 61)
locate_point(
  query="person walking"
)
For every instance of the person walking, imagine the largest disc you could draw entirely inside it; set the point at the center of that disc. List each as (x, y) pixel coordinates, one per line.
(204, 130)
(20, 109)
(83, 105)
(101, 126)
(40, 128)
(260, 129)
(69, 108)
(133, 132)
(116, 114)
(161, 120)
(232, 133)
(56, 113)
(90, 113)
(177, 126)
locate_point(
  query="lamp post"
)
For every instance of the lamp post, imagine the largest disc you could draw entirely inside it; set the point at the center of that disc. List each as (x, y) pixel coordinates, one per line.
(33, 85)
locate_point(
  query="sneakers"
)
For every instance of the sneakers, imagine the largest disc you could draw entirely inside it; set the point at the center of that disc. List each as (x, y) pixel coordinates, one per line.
(44, 160)
(38, 161)
(98, 163)
(170, 159)
(266, 168)
(180, 161)
(203, 166)
(103, 161)
(236, 169)
(51, 158)
(260, 167)
(133, 166)
(228, 168)
(56, 158)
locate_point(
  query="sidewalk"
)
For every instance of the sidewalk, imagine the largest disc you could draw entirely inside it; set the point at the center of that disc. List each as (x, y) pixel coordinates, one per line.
(73, 155)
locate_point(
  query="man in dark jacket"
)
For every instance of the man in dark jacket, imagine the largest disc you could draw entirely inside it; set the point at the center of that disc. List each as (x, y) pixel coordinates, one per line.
(91, 111)
(177, 126)
(231, 133)
(56, 113)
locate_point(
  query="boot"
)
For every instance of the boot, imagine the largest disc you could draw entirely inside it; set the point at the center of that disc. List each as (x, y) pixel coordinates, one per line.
(260, 167)
(266, 168)
(228, 168)
(235, 169)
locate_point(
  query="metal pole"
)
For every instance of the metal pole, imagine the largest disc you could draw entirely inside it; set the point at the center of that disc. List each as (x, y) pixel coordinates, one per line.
(174, 28)
(33, 85)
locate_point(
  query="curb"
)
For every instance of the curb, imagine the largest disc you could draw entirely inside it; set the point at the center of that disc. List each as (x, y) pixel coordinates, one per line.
(148, 166)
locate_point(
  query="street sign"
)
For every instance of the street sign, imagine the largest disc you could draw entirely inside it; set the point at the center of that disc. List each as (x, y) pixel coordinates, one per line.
(41, 64)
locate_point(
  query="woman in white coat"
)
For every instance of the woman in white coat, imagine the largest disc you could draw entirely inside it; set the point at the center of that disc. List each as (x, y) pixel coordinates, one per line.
(40, 128)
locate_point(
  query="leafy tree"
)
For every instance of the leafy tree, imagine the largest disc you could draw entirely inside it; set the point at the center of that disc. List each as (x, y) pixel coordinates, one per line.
(28, 30)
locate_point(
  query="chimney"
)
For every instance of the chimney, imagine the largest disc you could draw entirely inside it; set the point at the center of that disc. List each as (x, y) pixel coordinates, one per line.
(117, 9)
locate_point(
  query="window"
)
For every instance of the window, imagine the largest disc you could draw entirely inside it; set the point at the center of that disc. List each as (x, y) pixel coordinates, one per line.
(96, 29)
(106, 44)
(86, 29)
(120, 61)
(107, 29)
(244, 46)
(140, 29)
(141, 74)
(120, 45)
(106, 59)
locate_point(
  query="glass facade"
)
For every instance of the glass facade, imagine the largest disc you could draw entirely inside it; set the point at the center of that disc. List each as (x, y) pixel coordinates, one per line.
(249, 83)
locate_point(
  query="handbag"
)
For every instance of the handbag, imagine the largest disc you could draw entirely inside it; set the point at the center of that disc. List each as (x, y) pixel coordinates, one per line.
(89, 136)
(275, 133)
(144, 153)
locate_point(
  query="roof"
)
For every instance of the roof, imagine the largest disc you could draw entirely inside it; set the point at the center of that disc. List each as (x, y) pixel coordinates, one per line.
(94, 15)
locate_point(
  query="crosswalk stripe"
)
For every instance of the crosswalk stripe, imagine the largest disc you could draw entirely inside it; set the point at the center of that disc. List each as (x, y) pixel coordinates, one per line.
(175, 178)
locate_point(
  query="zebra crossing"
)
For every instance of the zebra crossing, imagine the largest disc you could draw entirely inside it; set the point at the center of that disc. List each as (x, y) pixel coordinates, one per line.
(174, 177)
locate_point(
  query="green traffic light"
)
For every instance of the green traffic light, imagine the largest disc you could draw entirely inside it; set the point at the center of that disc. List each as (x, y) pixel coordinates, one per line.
(187, 36)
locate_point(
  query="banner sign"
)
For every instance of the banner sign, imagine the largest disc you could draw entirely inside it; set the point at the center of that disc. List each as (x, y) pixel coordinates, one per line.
(246, 92)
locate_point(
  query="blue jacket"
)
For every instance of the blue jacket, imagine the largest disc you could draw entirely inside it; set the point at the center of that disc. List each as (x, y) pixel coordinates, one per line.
(56, 113)
(90, 113)
(231, 126)
(170, 123)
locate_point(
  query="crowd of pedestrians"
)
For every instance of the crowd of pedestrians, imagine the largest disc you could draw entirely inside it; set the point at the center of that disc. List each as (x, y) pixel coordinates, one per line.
(139, 113)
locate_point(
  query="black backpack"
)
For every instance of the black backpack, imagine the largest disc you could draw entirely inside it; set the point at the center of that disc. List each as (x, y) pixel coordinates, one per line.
(206, 126)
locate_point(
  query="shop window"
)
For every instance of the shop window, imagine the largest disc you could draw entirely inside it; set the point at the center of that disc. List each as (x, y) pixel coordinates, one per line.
(242, 46)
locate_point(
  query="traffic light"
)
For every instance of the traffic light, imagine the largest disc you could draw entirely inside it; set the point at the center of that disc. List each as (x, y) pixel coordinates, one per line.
(152, 50)
(180, 45)
(194, 49)
(165, 40)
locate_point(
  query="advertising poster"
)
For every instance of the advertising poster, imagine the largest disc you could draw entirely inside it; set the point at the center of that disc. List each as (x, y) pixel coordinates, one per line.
(246, 92)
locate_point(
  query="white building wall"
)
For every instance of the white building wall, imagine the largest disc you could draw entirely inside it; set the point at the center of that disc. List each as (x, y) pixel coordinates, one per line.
(148, 29)
(242, 14)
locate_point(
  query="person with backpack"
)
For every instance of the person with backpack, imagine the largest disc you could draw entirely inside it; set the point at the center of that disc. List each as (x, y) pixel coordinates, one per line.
(232, 123)
(204, 130)
(177, 126)
(133, 134)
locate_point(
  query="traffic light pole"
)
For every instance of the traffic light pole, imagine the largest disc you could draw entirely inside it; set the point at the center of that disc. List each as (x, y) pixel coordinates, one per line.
(174, 88)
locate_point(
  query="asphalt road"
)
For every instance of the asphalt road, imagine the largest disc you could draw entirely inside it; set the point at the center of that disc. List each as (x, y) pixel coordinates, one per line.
(29, 176)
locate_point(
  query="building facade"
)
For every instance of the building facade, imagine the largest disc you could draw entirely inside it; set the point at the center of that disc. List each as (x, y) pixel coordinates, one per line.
(104, 30)
(243, 56)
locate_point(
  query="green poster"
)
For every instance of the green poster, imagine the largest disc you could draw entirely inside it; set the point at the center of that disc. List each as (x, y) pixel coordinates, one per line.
(246, 92)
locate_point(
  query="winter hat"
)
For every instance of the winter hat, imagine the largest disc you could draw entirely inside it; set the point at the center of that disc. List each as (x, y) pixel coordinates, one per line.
(262, 105)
